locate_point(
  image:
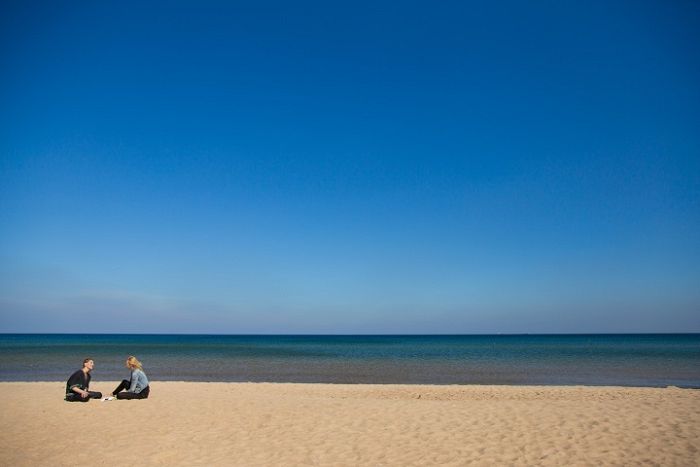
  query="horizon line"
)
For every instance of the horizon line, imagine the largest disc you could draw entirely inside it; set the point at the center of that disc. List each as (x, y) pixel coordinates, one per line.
(346, 335)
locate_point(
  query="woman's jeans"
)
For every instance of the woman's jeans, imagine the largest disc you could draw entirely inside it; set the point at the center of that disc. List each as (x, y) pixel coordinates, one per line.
(130, 395)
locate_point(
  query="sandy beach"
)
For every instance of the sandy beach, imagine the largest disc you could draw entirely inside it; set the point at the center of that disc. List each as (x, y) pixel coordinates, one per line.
(348, 425)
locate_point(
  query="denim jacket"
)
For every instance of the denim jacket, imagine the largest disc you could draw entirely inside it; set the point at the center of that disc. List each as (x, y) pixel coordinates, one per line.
(138, 381)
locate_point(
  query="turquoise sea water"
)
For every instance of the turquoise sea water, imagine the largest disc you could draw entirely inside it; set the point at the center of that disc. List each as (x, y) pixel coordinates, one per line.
(622, 359)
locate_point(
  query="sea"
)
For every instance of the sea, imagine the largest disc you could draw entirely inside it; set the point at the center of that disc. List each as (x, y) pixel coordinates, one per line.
(656, 360)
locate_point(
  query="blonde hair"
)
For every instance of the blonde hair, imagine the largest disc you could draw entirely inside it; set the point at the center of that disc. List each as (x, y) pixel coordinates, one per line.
(133, 363)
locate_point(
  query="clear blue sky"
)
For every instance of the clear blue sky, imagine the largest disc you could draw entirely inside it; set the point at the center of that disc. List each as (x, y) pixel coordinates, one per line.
(349, 167)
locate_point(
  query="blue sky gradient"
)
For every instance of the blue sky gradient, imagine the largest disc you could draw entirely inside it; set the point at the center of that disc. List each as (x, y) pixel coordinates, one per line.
(216, 167)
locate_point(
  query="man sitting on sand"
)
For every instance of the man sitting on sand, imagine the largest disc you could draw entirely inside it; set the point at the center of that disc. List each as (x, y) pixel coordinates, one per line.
(79, 382)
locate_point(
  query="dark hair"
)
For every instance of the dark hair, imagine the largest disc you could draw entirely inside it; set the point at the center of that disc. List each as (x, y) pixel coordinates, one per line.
(86, 360)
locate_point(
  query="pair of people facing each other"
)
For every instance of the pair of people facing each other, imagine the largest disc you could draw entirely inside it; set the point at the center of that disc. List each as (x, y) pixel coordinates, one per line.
(78, 385)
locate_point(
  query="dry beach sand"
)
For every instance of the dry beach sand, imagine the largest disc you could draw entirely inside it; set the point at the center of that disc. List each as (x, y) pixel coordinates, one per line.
(251, 424)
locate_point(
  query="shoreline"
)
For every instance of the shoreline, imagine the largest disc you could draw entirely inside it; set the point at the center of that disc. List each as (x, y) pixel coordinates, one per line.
(430, 385)
(220, 423)
(436, 388)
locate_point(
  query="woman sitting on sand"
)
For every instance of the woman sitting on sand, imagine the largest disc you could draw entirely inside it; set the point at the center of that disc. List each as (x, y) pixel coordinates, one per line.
(137, 386)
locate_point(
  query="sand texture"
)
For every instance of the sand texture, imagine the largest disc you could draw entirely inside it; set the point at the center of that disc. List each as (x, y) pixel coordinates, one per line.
(251, 424)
